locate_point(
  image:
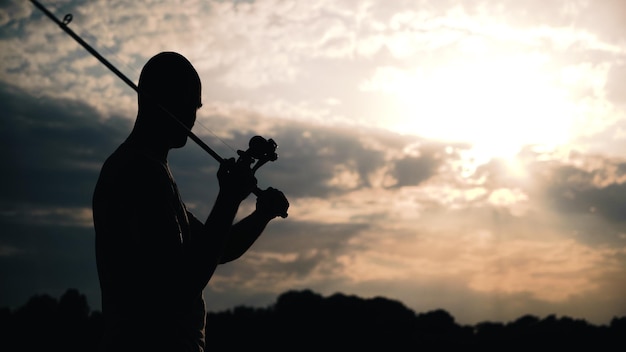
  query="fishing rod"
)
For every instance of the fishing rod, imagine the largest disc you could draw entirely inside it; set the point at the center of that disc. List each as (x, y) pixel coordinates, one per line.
(259, 149)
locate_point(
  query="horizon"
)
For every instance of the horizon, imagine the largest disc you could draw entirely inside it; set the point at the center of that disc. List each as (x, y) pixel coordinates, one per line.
(457, 155)
(76, 295)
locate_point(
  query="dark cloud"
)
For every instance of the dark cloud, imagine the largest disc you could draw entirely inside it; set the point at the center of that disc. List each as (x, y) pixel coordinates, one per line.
(595, 214)
(11, 15)
(308, 157)
(52, 150)
(46, 259)
(315, 153)
(588, 195)
(308, 247)
(575, 190)
(298, 236)
(412, 171)
(314, 246)
(591, 203)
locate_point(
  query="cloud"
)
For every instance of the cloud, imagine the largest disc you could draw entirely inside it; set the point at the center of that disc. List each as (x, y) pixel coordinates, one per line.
(414, 170)
(60, 140)
(435, 222)
(46, 259)
(615, 86)
(584, 195)
(13, 11)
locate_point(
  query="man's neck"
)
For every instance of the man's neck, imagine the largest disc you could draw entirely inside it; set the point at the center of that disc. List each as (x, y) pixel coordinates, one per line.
(149, 142)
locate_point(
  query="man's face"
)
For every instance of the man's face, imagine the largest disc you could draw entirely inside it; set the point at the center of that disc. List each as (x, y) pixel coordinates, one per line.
(185, 112)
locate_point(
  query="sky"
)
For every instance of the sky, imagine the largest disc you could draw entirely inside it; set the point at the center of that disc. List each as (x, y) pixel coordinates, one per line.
(457, 155)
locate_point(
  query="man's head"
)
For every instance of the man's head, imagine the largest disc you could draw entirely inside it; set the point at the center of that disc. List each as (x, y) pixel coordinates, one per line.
(169, 81)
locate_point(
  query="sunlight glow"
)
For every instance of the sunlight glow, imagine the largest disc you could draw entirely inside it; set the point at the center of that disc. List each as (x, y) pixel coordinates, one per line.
(497, 105)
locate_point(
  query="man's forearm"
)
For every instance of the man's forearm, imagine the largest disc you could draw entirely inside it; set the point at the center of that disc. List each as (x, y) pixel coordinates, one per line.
(243, 234)
(208, 241)
(222, 215)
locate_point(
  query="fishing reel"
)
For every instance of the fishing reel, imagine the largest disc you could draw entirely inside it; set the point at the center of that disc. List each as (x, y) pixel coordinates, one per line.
(260, 150)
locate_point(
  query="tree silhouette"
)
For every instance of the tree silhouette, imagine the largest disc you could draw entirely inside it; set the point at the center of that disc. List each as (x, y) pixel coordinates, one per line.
(44, 323)
(306, 320)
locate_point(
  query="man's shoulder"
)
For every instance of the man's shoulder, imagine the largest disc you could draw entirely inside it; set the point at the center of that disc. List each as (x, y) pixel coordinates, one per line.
(127, 168)
(127, 158)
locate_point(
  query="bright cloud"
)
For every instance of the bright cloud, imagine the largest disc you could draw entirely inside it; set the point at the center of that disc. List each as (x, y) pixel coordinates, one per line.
(451, 151)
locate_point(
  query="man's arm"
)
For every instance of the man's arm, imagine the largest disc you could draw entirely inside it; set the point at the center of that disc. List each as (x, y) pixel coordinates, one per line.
(270, 204)
(209, 238)
(242, 235)
(236, 182)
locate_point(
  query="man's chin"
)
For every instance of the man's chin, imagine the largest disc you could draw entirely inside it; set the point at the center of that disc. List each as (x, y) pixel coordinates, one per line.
(179, 144)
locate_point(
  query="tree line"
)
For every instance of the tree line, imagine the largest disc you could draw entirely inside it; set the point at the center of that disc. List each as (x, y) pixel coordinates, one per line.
(305, 320)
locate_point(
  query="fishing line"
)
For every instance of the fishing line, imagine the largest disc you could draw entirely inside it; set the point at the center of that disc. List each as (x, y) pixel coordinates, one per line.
(131, 67)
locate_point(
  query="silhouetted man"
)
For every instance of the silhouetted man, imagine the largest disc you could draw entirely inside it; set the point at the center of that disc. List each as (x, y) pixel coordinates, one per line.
(154, 257)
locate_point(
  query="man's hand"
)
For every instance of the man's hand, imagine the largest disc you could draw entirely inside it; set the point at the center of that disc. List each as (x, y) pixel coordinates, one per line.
(236, 180)
(272, 203)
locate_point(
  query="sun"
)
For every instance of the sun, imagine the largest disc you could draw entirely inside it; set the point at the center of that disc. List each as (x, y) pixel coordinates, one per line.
(495, 105)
